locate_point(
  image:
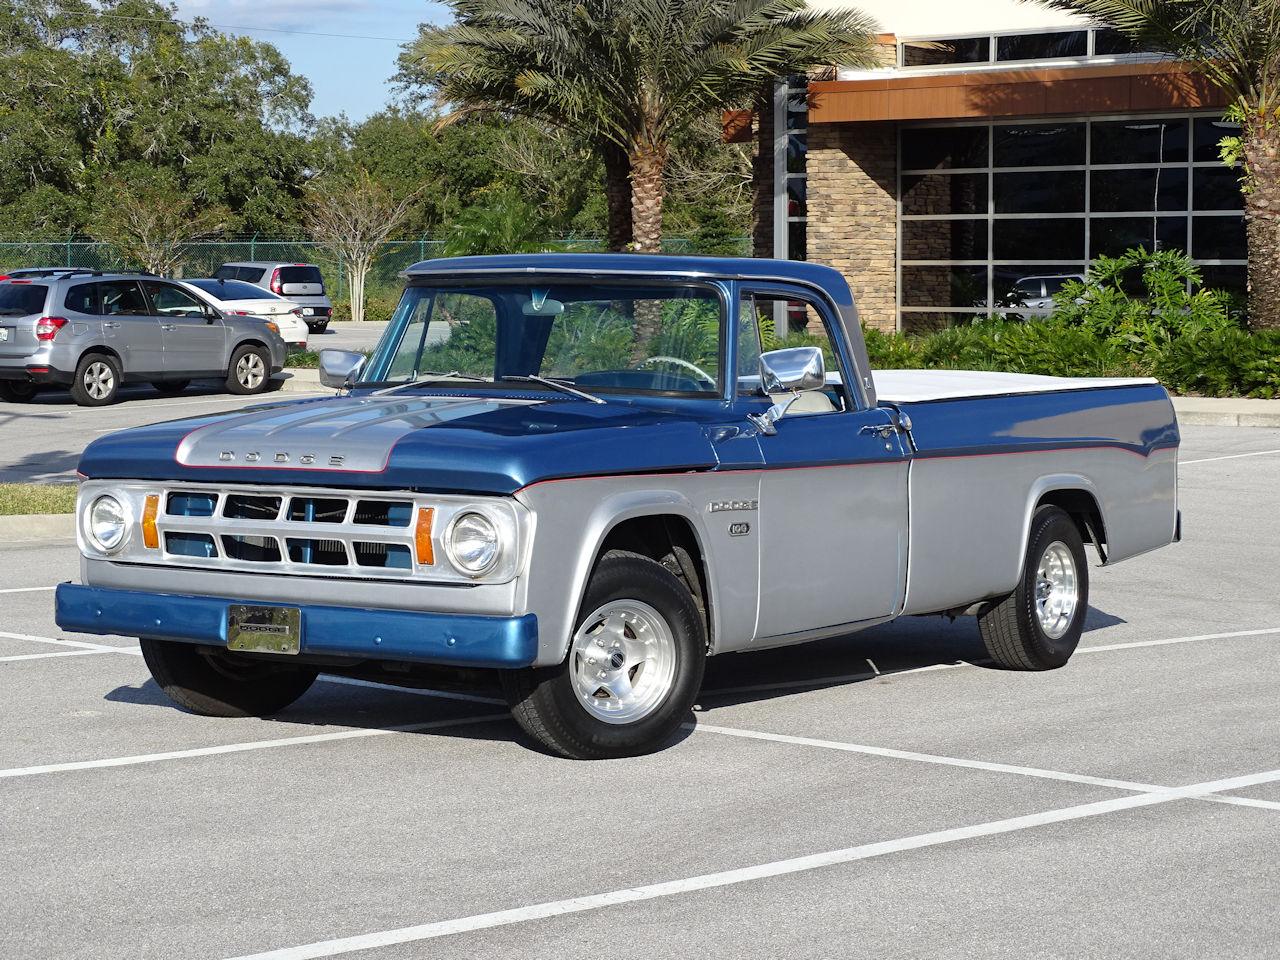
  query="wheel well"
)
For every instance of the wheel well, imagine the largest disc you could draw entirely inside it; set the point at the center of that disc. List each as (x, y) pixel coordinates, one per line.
(104, 351)
(668, 539)
(251, 343)
(1083, 508)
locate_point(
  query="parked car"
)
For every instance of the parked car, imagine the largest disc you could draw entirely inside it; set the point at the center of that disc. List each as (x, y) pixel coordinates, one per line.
(299, 282)
(240, 299)
(611, 483)
(1036, 293)
(93, 332)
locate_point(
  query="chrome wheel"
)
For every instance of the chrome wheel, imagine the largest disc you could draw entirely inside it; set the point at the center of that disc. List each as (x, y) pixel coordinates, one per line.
(623, 661)
(251, 371)
(1057, 590)
(99, 380)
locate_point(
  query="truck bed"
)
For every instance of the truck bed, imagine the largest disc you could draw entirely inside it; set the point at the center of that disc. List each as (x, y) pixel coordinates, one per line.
(921, 386)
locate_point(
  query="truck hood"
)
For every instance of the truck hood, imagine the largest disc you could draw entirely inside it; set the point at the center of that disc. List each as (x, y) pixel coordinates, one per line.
(490, 445)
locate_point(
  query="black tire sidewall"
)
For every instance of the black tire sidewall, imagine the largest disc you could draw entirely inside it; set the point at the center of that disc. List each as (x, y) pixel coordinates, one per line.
(1050, 525)
(621, 576)
(187, 677)
(17, 391)
(80, 395)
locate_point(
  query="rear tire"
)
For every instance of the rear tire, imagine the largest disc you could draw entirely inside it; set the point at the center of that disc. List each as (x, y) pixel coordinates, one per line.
(1038, 626)
(17, 391)
(213, 683)
(250, 370)
(633, 671)
(97, 380)
(171, 387)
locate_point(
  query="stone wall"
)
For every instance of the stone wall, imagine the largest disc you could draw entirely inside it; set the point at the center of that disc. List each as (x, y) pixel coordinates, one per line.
(853, 212)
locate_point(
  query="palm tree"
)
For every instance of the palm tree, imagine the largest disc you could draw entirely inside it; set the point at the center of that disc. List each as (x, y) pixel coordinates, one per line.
(1235, 44)
(628, 75)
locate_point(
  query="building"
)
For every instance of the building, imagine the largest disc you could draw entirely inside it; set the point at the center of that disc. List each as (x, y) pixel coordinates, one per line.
(1000, 147)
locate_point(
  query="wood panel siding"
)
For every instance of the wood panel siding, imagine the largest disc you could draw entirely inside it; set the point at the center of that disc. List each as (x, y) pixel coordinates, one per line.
(1013, 93)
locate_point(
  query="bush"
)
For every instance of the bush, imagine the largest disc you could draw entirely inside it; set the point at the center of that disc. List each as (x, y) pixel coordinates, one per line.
(377, 307)
(1141, 314)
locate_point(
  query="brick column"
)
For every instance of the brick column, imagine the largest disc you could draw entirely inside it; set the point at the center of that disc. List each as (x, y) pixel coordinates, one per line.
(853, 212)
(762, 178)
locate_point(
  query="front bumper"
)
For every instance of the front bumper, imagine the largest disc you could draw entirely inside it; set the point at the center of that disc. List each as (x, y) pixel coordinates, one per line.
(441, 638)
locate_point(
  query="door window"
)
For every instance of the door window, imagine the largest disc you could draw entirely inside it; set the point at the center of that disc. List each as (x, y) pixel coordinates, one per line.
(123, 298)
(82, 298)
(776, 323)
(170, 301)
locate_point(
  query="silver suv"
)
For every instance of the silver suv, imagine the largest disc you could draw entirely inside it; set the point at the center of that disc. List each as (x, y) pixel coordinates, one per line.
(93, 332)
(299, 282)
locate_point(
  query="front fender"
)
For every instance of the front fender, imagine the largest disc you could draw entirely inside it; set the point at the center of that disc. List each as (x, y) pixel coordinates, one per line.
(573, 521)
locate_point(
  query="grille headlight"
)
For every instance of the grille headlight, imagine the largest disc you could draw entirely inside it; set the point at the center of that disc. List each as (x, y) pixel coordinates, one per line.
(473, 544)
(107, 524)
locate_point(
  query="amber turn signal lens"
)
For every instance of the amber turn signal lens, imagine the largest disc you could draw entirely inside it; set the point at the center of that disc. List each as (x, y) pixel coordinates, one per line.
(422, 536)
(150, 535)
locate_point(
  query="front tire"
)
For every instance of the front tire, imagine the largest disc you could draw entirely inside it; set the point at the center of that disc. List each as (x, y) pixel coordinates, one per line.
(633, 671)
(214, 683)
(97, 381)
(250, 370)
(1038, 626)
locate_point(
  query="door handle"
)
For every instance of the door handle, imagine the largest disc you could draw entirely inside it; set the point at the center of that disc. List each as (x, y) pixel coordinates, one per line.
(110, 326)
(168, 327)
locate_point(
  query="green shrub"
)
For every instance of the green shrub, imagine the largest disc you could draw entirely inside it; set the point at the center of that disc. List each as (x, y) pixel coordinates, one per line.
(377, 307)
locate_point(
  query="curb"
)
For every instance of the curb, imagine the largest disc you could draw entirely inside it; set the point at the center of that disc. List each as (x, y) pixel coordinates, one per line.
(24, 528)
(300, 380)
(1226, 412)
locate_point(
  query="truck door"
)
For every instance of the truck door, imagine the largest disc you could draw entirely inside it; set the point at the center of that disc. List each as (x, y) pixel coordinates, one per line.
(833, 493)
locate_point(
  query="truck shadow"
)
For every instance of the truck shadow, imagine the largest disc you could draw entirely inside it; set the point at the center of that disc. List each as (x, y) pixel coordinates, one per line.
(912, 644)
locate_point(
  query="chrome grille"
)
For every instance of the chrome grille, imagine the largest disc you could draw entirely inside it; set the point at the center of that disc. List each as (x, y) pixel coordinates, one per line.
(320, 533)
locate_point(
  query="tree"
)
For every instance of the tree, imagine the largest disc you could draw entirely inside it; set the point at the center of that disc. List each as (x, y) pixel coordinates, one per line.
(1235, 44)
(151, 222)
(630, 75)
(506, 224)
(351, 216)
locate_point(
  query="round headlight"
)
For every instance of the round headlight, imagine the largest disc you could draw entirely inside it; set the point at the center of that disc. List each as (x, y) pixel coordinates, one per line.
(473, 543)
(107, 524)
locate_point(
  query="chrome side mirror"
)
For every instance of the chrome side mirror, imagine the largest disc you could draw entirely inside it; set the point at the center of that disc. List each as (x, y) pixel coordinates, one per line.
(339, 368)
(795, 370)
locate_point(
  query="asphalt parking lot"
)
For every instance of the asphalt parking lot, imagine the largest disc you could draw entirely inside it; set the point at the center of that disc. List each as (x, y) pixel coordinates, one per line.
(876, 796)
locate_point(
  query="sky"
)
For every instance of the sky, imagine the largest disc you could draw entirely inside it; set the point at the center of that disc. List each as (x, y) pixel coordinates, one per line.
(348, 74)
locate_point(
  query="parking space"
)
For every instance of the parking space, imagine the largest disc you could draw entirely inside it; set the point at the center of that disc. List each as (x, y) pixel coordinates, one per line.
(879, 795)
(345, 335)
(43, 439)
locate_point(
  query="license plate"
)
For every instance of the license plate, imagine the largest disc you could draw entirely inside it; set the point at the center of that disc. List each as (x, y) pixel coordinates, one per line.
(308, 312)
(4, 334)
(254, 629)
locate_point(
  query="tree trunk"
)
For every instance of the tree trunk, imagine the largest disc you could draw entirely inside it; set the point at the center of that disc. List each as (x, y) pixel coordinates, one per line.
(356, 271)
(1262, 222)
(762, 176)
(617, 192)
(648, 187)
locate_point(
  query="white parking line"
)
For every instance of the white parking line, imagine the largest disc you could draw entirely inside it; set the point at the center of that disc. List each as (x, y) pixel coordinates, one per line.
(555, 908)
(80, 644)
(1234, 456)
(28, 589)
(983, 765)
(48, 656)
(245, 747)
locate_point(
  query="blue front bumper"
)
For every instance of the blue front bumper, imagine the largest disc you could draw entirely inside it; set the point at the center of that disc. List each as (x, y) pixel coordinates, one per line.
(443, 638)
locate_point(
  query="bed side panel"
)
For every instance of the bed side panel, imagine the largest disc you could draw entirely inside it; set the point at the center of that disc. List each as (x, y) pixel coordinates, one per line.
(984, 463)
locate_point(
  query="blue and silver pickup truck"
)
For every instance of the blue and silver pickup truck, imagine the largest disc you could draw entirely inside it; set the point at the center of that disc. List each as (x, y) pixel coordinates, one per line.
(591, 472)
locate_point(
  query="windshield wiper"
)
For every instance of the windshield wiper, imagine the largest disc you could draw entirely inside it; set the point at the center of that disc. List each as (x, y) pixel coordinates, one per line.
(429, 377)
(554, 385)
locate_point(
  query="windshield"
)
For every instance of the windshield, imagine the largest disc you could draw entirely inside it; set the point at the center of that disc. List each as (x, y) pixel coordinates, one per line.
(659, 338)
(232, 290)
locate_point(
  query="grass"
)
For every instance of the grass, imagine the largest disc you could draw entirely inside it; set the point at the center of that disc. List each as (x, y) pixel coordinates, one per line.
(22, 498)
(308, 359)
